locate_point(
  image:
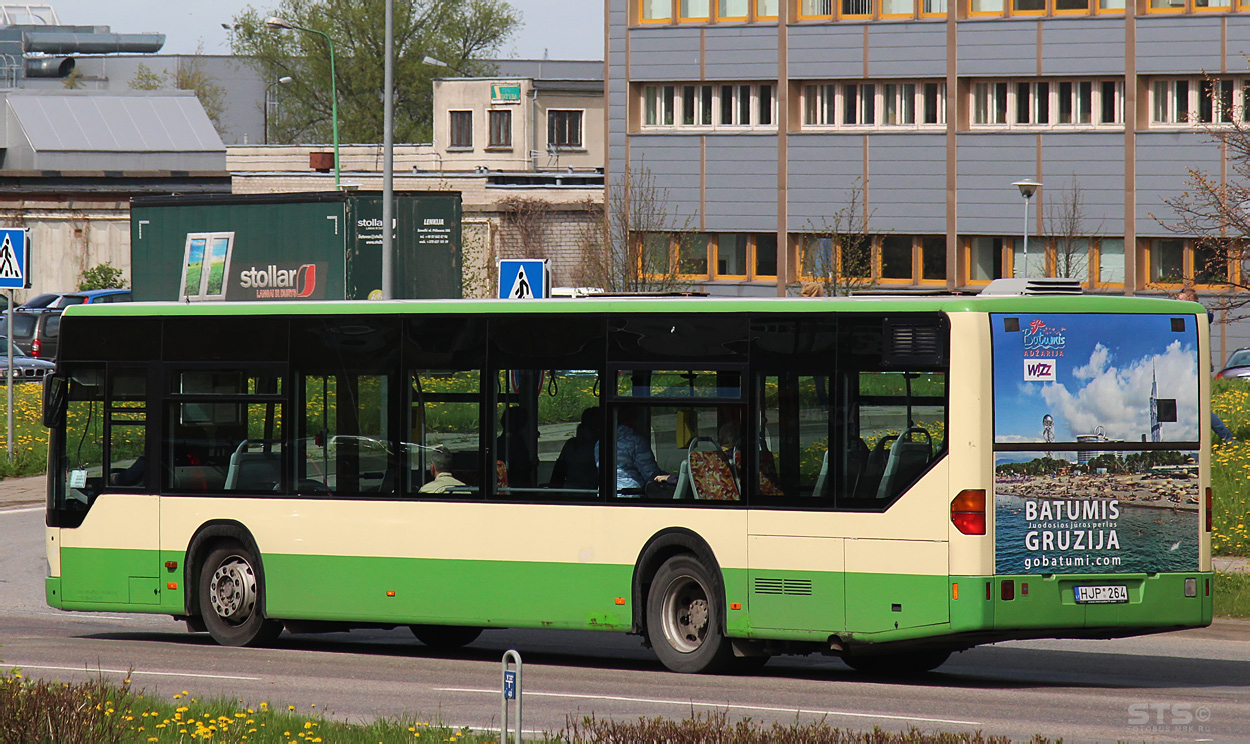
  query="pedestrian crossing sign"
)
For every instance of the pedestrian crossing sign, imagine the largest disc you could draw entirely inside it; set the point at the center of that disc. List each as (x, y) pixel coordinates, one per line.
(524, 279)
(13, 245)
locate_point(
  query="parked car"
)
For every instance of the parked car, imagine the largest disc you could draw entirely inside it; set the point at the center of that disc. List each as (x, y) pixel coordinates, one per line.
(1238, 365)
(92, 297)
(39, 302)
(25, 368)
(62, 300)
(36, 332)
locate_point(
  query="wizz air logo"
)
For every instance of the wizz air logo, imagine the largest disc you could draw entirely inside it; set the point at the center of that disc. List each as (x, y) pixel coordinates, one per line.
(1040, 370)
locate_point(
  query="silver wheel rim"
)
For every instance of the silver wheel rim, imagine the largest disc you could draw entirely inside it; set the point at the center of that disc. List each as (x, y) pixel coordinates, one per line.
(685, 614)
(232, 590)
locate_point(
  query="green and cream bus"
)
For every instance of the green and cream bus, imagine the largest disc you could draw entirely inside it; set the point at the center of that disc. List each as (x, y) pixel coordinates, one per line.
(886, 480)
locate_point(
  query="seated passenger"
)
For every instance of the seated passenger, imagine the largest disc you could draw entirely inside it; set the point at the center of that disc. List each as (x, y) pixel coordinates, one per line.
(440, 468)
(512, 448)
(576, 467)
(635, 463)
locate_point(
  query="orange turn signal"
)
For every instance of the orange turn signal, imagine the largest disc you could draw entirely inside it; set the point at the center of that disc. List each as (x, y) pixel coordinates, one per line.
(390, 594)
(172, 585)
(620, 600)
(735, 605)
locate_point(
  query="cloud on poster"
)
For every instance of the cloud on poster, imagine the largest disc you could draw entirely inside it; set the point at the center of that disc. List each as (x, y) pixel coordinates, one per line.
(1117, 398)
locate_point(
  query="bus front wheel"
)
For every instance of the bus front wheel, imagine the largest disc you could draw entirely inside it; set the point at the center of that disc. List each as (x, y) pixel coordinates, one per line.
(683, 614)
(230, 594)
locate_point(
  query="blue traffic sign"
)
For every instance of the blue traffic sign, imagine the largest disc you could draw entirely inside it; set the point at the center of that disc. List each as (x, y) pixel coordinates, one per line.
(524, 279)
(13, 274)
(509, 685)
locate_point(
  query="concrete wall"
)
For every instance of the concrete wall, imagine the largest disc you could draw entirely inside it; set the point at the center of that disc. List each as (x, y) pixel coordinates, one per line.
(68, 237)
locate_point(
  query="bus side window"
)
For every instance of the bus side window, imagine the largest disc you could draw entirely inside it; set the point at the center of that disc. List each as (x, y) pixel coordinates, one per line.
(794, 462)
(344, 443)
(443, 416)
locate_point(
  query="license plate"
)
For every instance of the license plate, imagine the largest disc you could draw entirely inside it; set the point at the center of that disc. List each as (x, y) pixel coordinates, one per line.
(1101, 594)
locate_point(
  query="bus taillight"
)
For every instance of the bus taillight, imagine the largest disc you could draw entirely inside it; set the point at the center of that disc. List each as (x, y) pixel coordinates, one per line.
(1208, 508)
(968, 511)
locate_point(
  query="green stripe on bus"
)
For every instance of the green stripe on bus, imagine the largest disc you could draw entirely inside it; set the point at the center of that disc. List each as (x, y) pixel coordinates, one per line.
(950, 304)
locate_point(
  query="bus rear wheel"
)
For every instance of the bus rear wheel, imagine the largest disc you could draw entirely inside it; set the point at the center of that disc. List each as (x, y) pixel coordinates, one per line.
(231, 597)
(683, 618)
(445, 637)
(898, 664)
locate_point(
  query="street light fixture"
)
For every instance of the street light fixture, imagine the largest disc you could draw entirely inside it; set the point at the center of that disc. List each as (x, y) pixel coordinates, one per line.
(279, 24)
(1028, 187)
(284, 80)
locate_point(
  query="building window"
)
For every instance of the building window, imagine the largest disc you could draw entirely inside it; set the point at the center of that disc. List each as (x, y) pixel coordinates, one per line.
(898, 104)
(564, 129)
(697, 105)
(1039, 103)
(1110, 261)
(1170, 104)
(1167, 261)
(933, 7)
(656, 10)
(765, 255)
(500, 129)
(815, 8)
(701, 105)
(692, 250)
(986, 7)
(985, 259)
(735, 105)
(694, 10)
(896, 8)
(933, 258)
(896, 253)
(856, 8)
(658, 105)
(989, 103)
(1215, 101)
(767, 9)
(767, 101)
(859, 104)
(1028, 7)
(1070, 258)
(731, 10)
(461, 129)
(731, 255)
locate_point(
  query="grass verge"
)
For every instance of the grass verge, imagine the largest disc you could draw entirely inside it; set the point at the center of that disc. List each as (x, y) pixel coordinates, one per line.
(1231, 595)
(98, 712)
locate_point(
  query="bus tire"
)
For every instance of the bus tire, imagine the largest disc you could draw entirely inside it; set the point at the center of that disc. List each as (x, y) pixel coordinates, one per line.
(445, 637)
(683, 618)
(898, 664)
(231, 595)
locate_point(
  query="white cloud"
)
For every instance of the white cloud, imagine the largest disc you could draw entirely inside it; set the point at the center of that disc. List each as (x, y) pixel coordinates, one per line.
(1118, 399)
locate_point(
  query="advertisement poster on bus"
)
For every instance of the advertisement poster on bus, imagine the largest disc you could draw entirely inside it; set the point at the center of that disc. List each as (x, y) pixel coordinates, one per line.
(1096, 426)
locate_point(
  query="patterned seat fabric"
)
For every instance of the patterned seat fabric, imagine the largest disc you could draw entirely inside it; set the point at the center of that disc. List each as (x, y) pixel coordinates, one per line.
(712, 476)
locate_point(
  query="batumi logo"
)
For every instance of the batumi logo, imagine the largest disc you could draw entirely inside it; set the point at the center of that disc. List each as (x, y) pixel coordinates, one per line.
(1041, 370)
(272, 282)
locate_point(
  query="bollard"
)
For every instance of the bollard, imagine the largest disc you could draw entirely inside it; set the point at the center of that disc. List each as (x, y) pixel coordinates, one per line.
(511, 691)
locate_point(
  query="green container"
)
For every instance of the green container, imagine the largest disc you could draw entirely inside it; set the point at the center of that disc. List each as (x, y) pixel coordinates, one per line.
(273, 248)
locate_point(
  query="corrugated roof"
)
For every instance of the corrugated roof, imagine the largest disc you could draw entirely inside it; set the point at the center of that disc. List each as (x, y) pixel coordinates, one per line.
(113, 123)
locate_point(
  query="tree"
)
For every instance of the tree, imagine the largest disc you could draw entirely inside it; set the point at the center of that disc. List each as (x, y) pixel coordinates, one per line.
(189, 75)
(458, 32)
(1215, 211)
(1067, 225)
(641, 244)
(525, 222)
(837, 254)
(101, 276)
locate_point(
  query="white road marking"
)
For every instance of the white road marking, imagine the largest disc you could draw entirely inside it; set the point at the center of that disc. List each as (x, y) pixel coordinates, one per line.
(24, 510)
(133, 673)
(730, 706)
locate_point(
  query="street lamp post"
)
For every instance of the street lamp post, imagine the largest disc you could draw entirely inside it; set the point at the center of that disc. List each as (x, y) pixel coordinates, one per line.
(388, 159)
(283, 81)
(277, 23)
(1028, 187)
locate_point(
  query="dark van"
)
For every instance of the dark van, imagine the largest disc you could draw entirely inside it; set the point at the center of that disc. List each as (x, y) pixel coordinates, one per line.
(37, 333)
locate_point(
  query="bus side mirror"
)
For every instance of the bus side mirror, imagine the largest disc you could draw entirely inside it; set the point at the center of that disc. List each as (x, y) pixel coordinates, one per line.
(53, 400)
